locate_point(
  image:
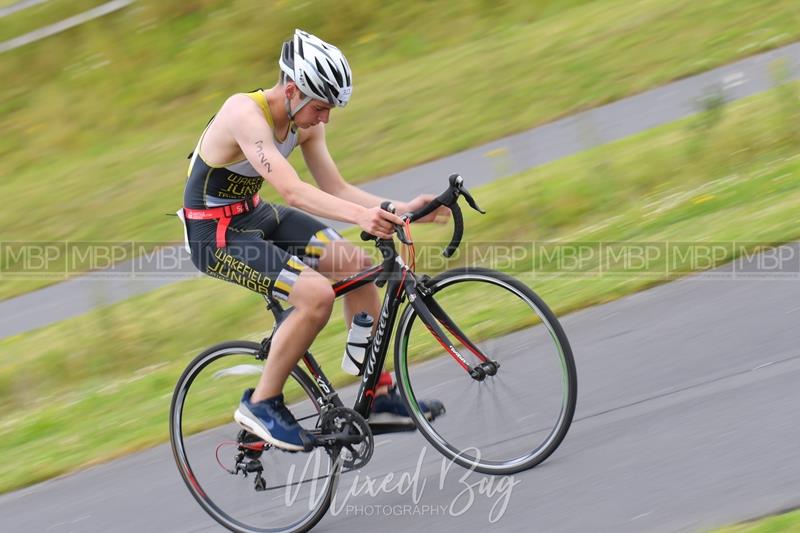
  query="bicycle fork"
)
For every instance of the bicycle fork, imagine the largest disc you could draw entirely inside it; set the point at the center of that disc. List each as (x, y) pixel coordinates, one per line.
(431, 314)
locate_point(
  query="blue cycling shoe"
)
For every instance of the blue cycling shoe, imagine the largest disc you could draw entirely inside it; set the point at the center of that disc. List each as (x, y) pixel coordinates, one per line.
(273, 422)
(389, 413)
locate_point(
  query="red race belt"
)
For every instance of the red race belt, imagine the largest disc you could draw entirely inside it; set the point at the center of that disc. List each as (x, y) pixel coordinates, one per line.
(222, 215)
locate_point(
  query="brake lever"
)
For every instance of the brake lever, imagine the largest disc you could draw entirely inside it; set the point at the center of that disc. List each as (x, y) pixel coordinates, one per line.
(472, 203)
(457, 183)
(399, 230)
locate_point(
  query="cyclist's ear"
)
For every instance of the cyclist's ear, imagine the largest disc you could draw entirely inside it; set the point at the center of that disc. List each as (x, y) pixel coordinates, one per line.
(290, 89)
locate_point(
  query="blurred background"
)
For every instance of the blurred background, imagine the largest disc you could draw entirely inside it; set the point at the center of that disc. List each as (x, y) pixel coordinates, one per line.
(96, 121)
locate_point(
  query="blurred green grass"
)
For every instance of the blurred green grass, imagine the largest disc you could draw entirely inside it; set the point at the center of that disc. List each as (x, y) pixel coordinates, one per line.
(783, 523)
(41, 15)
(99, 385)
(96, 122)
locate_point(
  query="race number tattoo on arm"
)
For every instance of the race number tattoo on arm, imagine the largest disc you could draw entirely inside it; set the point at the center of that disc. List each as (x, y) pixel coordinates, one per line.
(262, 157)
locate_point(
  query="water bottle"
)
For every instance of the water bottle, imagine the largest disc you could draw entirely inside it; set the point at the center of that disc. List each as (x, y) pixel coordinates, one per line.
(357, 343)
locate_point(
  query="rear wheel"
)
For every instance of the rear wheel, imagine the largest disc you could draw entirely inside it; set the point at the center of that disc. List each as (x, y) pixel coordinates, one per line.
(242, 483)
(506, 422)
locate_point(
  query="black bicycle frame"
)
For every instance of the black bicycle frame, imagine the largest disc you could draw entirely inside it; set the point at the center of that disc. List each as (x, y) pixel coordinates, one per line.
(401, 283)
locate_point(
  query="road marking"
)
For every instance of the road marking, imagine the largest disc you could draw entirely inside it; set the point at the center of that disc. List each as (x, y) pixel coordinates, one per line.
(764, 365)
(70, 522)
(637, 517)
(497, 152)
(733, 80)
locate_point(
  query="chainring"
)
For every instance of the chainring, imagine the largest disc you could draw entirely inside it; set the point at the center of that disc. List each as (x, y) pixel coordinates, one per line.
(344, 420)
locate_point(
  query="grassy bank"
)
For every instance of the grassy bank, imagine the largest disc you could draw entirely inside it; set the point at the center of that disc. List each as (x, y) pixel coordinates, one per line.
(97, 121)
(783, 523)
(41, 15)
(99, 384)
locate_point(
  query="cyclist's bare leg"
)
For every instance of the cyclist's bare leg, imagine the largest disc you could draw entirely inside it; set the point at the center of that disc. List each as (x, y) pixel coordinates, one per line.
(312, 298)
(342, 259)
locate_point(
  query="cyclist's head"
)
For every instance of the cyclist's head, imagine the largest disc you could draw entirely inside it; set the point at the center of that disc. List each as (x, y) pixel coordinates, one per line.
(319, 70)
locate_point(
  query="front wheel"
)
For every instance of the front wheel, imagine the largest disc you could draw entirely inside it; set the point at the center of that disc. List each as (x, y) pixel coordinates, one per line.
(506, 422)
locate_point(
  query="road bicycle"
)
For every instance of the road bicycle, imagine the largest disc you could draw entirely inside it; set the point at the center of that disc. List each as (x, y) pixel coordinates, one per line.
(479, 340)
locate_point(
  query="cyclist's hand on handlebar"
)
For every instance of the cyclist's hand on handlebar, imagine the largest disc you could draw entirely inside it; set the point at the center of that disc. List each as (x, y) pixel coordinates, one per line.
(376, 221)
(439, 216)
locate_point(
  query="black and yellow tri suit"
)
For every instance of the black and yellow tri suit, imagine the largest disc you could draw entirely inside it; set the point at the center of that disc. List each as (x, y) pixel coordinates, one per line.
(263, 248)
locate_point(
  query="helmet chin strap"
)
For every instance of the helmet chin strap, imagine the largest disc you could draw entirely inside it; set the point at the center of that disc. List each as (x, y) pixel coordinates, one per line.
(292, 112)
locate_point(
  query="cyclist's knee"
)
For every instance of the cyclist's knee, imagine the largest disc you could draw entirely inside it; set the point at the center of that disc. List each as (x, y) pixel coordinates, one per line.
(342, 259)
(313, 295)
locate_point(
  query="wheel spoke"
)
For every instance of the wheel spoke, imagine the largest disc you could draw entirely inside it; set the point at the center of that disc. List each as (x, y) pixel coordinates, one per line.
(201, 414)
(534, 387)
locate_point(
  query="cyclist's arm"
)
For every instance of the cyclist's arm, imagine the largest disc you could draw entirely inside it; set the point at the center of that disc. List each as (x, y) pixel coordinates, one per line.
(322, 167)
(254, 136)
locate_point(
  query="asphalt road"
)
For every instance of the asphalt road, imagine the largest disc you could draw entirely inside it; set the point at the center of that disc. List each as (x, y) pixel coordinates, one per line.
(478, 166)
(687, 420)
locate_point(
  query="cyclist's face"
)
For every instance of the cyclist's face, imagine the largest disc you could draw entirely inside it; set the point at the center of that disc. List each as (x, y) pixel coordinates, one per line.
(312, 113)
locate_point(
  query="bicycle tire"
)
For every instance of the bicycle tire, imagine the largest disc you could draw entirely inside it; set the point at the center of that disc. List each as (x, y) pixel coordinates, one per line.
(562, 349)
(178, 443)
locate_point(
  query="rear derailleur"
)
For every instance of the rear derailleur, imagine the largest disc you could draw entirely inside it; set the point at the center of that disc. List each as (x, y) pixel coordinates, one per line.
(247, 459)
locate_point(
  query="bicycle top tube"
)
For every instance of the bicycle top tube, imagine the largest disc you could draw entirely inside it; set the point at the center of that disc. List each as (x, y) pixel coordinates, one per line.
(380, 274)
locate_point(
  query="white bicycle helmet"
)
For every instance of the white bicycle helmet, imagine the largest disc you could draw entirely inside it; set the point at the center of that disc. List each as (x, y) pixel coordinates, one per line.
(319, 69)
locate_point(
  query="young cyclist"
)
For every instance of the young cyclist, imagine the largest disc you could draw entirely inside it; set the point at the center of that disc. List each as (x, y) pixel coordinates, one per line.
(269, 248)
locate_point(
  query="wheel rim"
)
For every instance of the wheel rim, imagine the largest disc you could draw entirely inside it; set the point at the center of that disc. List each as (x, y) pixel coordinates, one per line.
(493, 454)
(298, 486)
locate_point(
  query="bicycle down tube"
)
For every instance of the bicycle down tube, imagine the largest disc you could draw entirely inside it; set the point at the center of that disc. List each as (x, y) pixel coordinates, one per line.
(378, 349)
(380, 346)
